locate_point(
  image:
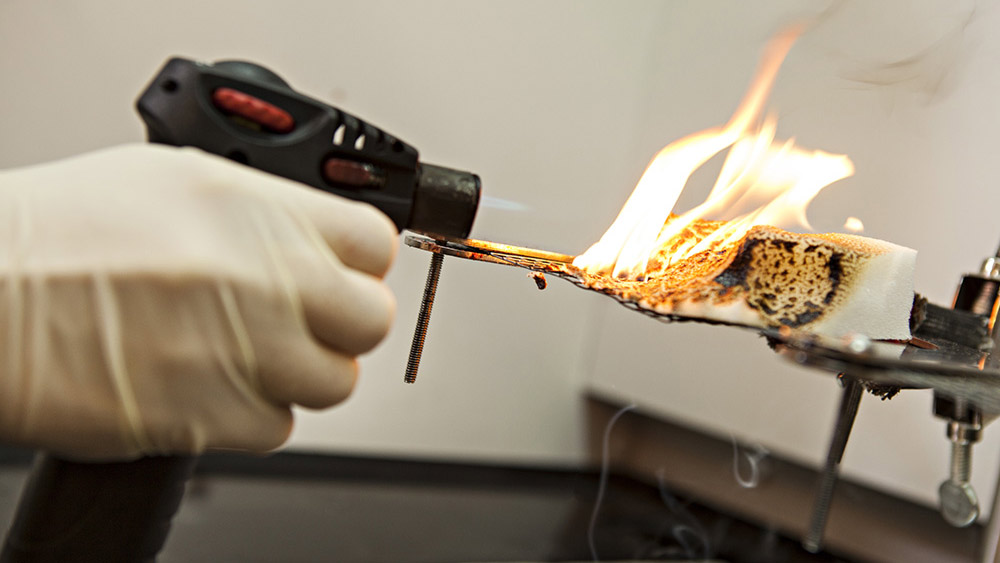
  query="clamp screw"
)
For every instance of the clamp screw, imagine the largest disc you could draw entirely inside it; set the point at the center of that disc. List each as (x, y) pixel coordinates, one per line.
(959, 504)
(958, 500)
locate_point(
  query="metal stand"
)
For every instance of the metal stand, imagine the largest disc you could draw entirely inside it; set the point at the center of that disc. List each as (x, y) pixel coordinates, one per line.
(848, 411)
(989, 545)
(946, 355)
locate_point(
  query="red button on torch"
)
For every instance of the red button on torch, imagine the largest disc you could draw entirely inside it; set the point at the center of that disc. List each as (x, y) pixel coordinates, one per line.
(253, 109)
(349, 173)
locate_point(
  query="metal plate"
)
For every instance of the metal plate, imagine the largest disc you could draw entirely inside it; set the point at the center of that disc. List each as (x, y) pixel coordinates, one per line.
(950, 368)
(542, 261)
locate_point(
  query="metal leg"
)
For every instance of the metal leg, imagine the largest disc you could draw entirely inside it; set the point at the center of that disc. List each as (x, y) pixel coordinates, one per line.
(842, 431)
(424, 318)
(989, 541)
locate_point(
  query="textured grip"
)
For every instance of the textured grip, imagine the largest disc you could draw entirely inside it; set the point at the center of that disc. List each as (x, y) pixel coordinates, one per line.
(71, 511)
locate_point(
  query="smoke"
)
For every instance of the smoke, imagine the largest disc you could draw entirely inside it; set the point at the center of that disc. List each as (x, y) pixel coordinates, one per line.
(749, 473)
(688, 531)
(901, 47)
(603, 481)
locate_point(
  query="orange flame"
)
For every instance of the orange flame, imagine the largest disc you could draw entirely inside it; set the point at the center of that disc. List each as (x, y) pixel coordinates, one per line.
(775, 179)
(854, 225)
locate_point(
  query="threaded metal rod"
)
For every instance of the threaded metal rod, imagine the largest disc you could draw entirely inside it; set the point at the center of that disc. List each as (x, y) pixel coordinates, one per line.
(961, 461)
(813, 541)
(958, 501)
(424, 318)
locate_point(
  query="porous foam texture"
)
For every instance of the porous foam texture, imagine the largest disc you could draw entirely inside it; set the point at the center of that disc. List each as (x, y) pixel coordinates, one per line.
(829, 284)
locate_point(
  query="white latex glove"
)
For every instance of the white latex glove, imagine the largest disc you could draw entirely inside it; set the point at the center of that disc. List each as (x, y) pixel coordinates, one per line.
(156, 300)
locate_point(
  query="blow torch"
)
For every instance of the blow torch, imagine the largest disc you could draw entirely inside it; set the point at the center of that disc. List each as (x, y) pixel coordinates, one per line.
(73, 511)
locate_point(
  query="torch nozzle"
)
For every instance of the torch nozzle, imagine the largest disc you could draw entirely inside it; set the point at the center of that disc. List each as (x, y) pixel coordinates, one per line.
(445, 201)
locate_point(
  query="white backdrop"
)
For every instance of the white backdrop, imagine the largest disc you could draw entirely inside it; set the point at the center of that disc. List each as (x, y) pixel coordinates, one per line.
(558, 106)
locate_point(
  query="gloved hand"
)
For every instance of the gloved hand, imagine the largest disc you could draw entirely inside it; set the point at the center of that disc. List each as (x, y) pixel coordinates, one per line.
(156, 300)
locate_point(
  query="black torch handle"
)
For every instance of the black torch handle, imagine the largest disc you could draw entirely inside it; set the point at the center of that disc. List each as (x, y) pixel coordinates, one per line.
(72, 511)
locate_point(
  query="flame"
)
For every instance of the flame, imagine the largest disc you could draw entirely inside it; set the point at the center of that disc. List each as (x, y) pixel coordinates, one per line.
(854, 225)
(772, 181)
